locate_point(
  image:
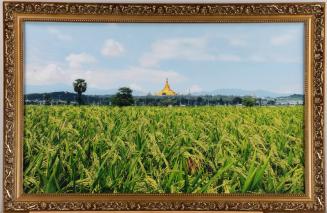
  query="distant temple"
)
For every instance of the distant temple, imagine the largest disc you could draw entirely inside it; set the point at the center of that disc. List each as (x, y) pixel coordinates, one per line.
(166, 91)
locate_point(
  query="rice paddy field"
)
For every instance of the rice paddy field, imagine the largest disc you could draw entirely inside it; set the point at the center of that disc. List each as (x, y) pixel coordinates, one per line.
(102, 149)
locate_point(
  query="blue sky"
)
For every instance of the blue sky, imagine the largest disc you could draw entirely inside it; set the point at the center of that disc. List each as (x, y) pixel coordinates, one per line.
(194, 57)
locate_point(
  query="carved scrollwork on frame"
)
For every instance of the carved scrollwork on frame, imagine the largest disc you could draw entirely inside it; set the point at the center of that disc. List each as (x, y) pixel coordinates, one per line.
(315, 10)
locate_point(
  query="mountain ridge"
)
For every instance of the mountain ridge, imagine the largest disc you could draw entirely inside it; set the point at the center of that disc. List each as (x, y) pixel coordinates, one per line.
(242, 92)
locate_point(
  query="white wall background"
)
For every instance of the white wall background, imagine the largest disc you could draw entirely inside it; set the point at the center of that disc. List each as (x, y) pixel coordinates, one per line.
(129, 1)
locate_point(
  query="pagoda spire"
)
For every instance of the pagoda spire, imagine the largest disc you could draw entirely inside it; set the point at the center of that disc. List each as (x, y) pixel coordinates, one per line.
(166, 91)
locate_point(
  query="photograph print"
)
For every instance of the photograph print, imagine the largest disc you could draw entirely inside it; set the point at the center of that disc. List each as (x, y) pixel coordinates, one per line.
(168, 108)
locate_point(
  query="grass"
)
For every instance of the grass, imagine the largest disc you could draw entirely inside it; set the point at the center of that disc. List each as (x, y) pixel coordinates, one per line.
(98, 149)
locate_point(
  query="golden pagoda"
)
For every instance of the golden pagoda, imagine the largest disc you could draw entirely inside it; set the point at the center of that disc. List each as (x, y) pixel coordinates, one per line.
(166, 91)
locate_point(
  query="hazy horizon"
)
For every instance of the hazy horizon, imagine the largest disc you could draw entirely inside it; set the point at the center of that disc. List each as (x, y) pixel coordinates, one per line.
(218, 92)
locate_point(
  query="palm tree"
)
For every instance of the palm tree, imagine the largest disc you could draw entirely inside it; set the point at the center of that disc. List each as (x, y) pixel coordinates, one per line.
(80, 86)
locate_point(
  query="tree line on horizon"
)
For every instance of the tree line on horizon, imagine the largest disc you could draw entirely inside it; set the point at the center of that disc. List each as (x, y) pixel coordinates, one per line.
(124, 97)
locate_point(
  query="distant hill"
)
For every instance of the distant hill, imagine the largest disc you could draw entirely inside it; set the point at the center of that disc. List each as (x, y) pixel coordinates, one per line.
(241, 92)
(293, 96)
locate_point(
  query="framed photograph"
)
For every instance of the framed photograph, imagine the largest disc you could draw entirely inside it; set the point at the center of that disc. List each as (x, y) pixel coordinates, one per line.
(170, 107)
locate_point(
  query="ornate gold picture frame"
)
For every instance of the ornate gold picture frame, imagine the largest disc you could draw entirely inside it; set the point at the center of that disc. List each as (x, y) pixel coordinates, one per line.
(312, 15)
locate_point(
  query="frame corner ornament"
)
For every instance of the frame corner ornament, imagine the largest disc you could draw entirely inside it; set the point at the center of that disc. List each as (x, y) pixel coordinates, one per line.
(316, 11)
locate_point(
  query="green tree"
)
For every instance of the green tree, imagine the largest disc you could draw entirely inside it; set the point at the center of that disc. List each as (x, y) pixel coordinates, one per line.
(221, 101)
(199, 101)
(47, 99)
(168, 101)
(237, 100)
(123, 97)
(80, 86)
(248, 101)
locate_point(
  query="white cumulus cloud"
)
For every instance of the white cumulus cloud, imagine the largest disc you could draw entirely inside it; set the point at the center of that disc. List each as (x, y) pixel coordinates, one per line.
(135, 77)
(47, 74)
(175, 48)
(189, 49)
(77, 60)
(112, 48)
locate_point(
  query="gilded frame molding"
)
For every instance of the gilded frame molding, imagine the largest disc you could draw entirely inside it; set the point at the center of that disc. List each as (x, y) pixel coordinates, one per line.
(311, 14)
